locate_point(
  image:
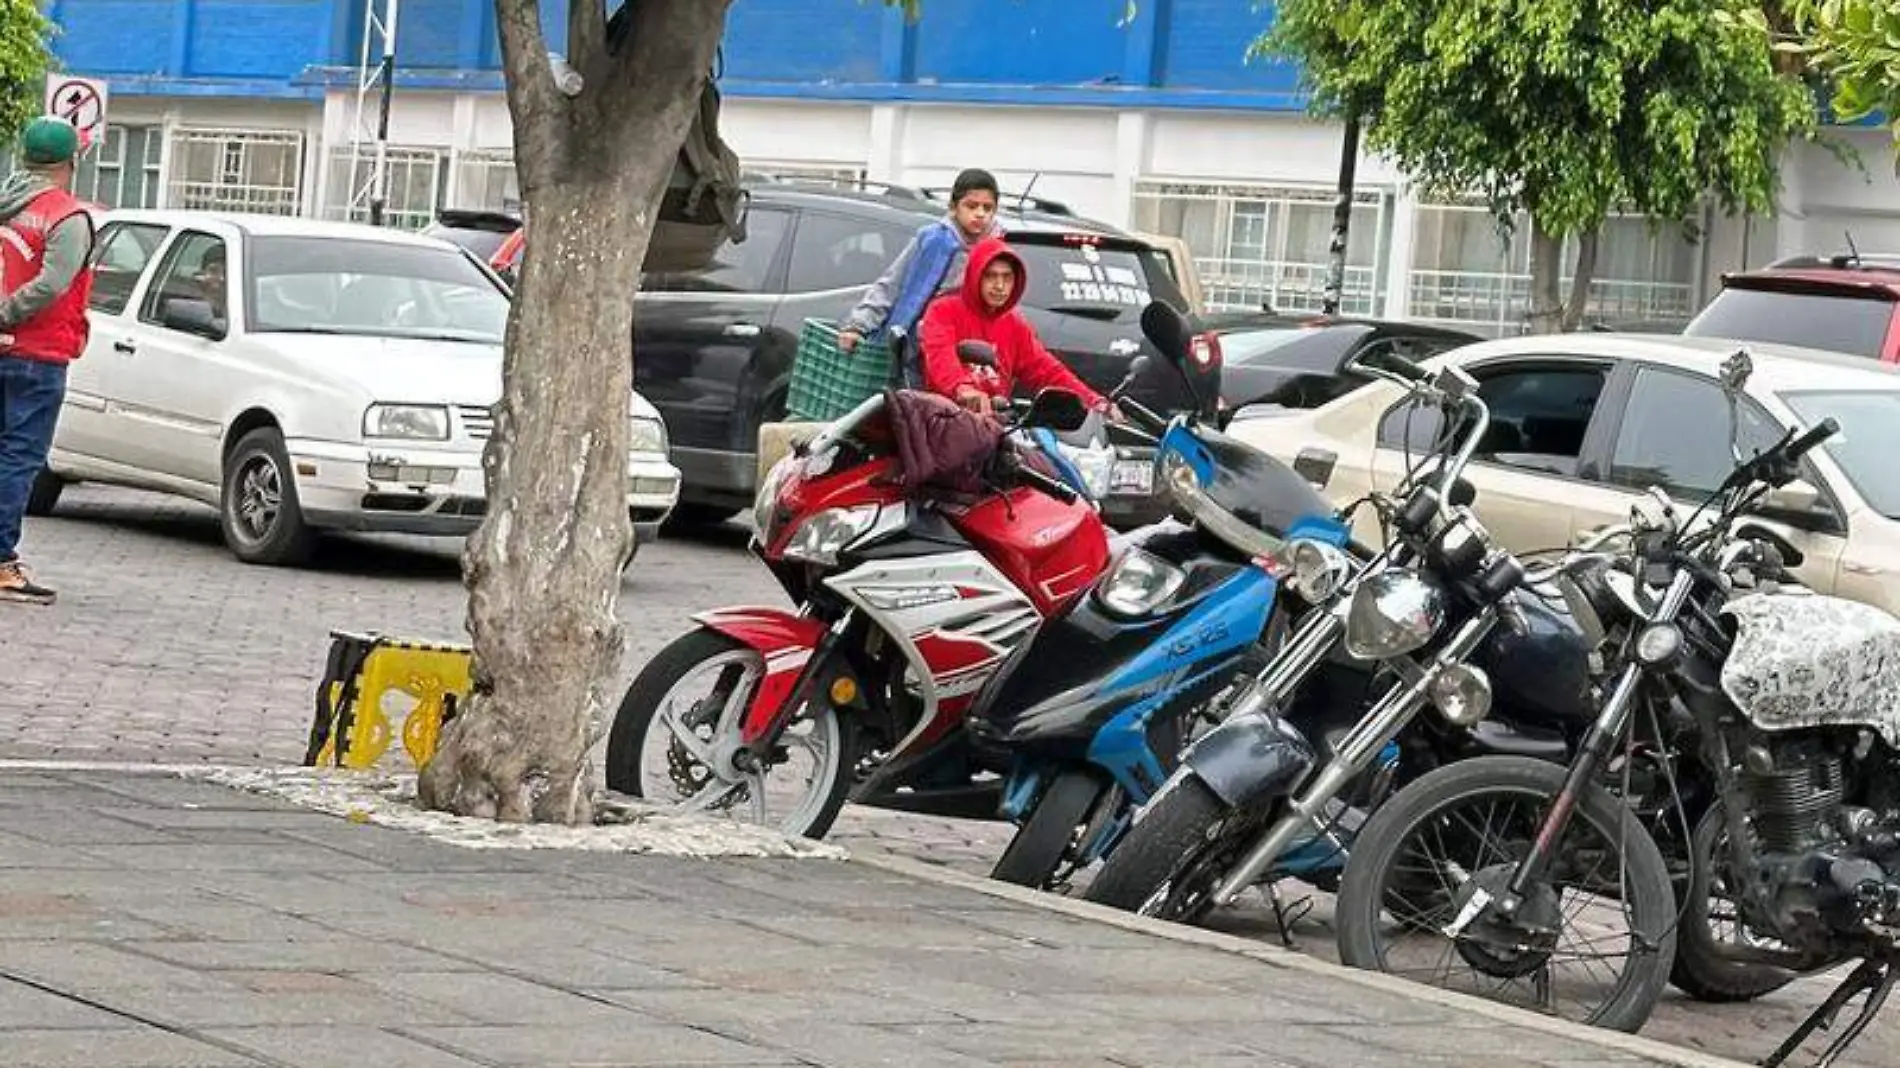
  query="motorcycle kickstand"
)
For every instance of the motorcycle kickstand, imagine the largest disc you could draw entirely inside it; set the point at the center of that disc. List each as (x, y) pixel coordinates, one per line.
(1874, 978)
(1285, 915)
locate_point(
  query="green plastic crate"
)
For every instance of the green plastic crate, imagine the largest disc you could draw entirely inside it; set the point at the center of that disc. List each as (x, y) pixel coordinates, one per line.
(828, 382)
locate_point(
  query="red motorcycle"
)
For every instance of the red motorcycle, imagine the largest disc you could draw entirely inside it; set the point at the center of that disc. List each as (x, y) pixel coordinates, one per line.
(907, 603)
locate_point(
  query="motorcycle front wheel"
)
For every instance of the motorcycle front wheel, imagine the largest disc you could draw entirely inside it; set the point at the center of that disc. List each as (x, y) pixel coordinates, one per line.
(1176, 853)
(1047, 836)
(1432, 855)
(677, 730)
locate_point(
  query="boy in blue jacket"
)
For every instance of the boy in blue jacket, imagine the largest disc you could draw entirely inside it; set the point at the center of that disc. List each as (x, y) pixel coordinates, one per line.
(930, 264)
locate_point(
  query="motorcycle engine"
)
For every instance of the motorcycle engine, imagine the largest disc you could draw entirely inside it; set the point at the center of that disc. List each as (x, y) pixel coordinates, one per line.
(1825, 869)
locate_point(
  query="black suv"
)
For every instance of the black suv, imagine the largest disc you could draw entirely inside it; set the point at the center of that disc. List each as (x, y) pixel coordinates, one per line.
(713, 349)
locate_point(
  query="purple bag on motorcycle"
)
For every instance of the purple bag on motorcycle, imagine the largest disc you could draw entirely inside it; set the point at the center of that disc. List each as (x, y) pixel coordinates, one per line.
(940, 444)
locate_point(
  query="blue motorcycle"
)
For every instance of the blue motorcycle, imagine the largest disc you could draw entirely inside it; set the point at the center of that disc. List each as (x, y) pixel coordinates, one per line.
(1090, 713)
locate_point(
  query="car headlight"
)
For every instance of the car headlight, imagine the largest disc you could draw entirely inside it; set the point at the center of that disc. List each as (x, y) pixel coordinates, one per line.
(826, 534)
(649, 435)
(1138, 582)
(415, 422)
(1315, 570)
(766, 499)
(1393, 613)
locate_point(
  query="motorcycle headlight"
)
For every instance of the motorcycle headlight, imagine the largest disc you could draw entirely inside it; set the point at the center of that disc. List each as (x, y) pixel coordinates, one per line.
(1138, 582)
(1393, 613)
(1314, 569)
(766, 499)
(823, 536)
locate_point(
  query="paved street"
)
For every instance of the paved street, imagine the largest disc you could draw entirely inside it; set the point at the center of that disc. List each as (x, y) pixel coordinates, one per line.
(147, 920)
(163, 648)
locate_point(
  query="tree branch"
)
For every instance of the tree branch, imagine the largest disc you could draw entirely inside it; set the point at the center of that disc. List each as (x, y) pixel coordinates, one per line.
(587, 37)
(533, 98)
(662, 44)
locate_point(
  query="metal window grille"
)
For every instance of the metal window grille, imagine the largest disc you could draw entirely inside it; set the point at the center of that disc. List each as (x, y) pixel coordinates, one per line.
(1268, 246)
(255, 171)
(1464, 274)
(414, 186)
(123, 170)
(486, 181)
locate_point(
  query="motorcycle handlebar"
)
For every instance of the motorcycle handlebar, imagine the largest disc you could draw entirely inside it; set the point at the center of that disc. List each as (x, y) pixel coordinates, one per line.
(1822, 431)
(1042, 483)
(1142, 417)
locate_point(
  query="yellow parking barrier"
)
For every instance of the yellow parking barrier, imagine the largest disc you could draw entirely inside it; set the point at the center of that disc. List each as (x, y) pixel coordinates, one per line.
(364, 672)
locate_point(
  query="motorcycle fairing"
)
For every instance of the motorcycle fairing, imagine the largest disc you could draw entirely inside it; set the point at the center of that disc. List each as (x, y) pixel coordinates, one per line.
(785, 639)
(1803, 660)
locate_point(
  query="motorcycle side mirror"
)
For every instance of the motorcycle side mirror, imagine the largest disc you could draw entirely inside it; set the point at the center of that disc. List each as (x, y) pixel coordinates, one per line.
(1137, 370)
(1172, 336)
(977, 353)
(1057, 409)
(1733, 375)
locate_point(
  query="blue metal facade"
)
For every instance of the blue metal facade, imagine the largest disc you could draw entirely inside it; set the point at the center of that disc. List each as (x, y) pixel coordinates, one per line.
(1171, 53)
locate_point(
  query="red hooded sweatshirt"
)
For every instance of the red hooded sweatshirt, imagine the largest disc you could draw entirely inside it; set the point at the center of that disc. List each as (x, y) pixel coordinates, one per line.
(962, 316)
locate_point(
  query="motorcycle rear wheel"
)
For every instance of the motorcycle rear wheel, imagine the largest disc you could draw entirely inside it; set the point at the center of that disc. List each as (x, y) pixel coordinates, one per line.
(830, 738)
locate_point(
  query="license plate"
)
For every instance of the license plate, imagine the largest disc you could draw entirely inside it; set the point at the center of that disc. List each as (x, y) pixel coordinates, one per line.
(1132, 477)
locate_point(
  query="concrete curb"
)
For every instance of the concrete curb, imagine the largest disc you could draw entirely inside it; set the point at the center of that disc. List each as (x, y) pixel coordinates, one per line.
(1271, 956)
(1277, 957)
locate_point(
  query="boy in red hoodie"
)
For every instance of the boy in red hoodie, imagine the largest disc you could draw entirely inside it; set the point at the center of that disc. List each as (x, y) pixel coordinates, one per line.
(984, 309)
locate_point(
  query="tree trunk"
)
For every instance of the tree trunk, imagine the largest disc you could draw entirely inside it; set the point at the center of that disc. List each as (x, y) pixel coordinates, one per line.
(543, 572)
(1547, 252)
(1579, 302)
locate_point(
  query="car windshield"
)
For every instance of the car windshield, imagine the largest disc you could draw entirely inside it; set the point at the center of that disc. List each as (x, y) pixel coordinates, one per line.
(1109, 284)
(330, 285)
(1246, 346)
(1867, 444)
(1850, 325)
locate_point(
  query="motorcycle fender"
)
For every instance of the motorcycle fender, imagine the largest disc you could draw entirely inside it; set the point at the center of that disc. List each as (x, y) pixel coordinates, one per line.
(1250, 757)
(785, 639)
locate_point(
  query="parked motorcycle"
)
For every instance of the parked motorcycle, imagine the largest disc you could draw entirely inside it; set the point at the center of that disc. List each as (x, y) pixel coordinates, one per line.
(1779, 702)
(907, 603)
(1437, 616)
(1091, 711)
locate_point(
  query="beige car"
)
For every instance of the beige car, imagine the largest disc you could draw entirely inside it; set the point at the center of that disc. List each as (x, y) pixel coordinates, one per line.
(1582, 424)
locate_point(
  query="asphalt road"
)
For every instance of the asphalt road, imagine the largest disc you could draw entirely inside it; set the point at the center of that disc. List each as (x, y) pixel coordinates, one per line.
(163, 648)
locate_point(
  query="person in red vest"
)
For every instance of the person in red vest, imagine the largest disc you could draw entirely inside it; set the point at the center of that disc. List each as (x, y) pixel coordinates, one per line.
(45, 280)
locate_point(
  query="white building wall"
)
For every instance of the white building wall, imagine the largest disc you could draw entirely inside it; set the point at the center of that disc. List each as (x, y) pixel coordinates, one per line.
(1096, 160)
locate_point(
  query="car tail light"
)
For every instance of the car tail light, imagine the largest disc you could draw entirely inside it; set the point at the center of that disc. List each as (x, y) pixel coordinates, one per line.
(1206, 351)
(1081, 239)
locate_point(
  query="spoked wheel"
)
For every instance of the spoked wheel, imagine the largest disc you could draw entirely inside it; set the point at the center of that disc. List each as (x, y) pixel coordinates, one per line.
(1711, 918)
(676, 741)
(1592, 942)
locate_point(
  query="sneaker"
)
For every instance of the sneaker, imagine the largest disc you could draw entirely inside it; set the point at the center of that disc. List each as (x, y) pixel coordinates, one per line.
(16, 585)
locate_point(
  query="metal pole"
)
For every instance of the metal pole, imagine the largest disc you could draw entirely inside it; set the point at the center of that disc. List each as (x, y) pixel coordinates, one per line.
(379, 189)
(1342, 215)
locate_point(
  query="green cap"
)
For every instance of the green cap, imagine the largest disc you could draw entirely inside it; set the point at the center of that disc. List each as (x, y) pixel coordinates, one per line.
(47, 141)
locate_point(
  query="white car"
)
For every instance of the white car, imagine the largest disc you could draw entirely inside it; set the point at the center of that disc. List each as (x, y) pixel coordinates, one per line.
(300, 376)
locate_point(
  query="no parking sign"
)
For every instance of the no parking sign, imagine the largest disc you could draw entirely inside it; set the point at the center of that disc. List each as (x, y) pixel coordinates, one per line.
(80, 101)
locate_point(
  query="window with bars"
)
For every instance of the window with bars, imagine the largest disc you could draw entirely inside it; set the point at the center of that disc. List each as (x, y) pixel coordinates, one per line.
(122, 170)
(486, 181)
(412, 191)
(258, 171)
(1464, 273)
(1269, 246)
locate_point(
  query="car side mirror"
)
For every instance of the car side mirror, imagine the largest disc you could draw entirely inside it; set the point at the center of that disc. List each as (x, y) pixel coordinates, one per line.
(193, 317)
(977, 353)
(1798, 503)
(1791, 557)
(1057, 409)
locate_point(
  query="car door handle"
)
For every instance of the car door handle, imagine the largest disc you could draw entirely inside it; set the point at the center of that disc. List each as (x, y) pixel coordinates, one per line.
(1862, 569)
(124, 346)
(742, 330)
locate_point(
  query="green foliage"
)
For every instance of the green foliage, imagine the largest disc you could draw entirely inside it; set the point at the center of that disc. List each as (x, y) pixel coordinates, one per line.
(24, 60)
(1856, 45)
(1566, 109)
